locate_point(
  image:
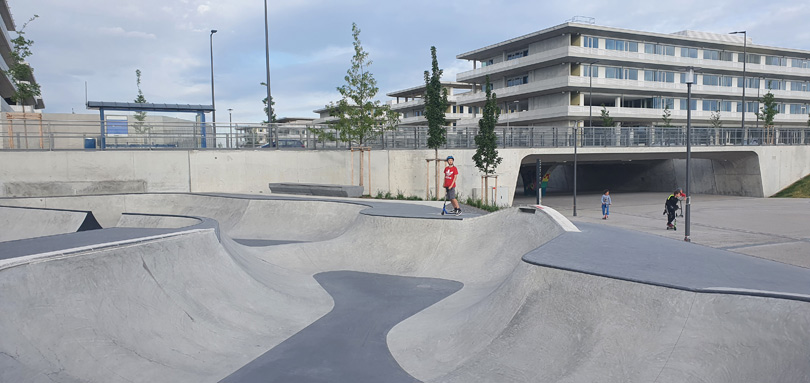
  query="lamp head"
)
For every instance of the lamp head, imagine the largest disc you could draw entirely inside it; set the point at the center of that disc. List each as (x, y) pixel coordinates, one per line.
(213, 31)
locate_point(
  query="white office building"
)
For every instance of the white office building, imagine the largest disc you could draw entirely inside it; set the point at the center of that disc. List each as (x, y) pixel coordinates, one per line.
(542, 78)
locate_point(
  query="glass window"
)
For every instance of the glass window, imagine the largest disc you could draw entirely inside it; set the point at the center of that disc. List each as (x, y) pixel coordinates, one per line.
(726, 56)
(710, 79)
(649, 48)
(710, 105)
(798, 109)
(613, 72)
(610, 44)
(725, 106)
(586, 70)
(454, 109)
(632, 46)
(711, 54)
(683, 104)
(775, 60)
(659, 76)
(800, 86)
(749, 82)
(667, 50)
(591, 42)
(631, 74)
(519, 80)
(517, 54)
(800, 63)
(754, 59)
(486, 63)
(751, 107)
(689, 52)
(727, 81)
(774, 84)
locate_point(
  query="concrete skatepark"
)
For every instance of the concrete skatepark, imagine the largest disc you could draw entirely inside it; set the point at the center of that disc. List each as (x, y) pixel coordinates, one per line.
(246, 288)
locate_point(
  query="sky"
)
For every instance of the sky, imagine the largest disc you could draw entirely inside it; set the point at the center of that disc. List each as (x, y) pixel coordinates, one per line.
(100, 43)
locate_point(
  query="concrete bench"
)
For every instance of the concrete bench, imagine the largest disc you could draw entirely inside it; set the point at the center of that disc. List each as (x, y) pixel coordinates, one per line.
(317, 189)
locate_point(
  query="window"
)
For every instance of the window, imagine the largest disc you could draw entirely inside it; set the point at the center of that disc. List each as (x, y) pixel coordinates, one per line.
(659, 76)
(727, 81)
(752, 59)
(749, 82)
(689, 52)
(775, 60)
(800, 63)
(683, 104)
(454, 109)
(418, 113)
(710, 79)
(613, 72)
(711, 54)
(586, 70)
(519, 80)
(486, 63)
(726, 56)
(517, 55)
(798, 109)
(683, 78)
(632, 46)
(710, 105)
(667, 50)
(774, 84)
(621, 45)
(591, 42)
(800, 86)
(751, 107)
(631, 74)
(725, 106)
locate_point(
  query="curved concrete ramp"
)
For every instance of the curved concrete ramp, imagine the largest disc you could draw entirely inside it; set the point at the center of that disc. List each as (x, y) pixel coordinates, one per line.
(26, 222)
(185, 307)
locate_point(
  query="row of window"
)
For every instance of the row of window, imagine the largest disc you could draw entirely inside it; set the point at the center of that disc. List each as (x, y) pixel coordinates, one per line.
(707, 79)
(708, 54)
(710, 105)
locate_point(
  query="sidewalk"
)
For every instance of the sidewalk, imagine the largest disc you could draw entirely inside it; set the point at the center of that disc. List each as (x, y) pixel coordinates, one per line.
(770, 228)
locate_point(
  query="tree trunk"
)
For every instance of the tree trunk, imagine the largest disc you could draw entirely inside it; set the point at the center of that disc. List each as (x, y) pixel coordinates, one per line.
(436, 158)
(361, 167)
(486, 190)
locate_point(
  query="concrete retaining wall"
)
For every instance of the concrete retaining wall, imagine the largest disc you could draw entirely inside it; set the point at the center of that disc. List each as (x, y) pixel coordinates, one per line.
(753, 171)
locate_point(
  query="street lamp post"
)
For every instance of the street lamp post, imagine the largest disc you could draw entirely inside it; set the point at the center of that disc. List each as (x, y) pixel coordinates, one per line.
(590, 125)
(745, 60)
(267, 61)
(213, 104)
(230, 126)
(690, 79)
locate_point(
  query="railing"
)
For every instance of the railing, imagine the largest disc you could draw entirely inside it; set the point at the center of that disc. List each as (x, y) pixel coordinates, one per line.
(167, 136)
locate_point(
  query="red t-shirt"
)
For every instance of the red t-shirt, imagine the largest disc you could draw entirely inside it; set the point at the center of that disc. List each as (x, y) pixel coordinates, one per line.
(449, 176)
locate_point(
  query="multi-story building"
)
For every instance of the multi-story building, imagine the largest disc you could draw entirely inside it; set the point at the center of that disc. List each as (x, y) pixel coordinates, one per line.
(542, 78)
(410, 104)
(7, 88)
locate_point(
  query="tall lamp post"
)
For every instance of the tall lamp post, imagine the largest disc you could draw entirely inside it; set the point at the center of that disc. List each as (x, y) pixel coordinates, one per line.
(745, 60)
(230, 126)
(213, 105)
(590, 125)
(267, 61)
(690, 79)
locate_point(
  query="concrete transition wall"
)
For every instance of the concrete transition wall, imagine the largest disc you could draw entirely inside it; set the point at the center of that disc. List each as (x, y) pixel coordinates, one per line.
(756, 171)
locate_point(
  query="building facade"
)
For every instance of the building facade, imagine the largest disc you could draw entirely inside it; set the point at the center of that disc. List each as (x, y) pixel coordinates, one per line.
(7, 87)
(543, 78)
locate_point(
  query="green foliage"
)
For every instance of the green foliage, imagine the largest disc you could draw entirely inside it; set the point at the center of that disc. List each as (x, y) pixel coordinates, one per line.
(140, 117)
(360, 117)
(799, 189)
(435, 105)
(272, 104)
(607, 121)
(477, 203)
(667, 117)
(21, 74)
(399, 196)
(486, 154)
(769, 108)
(715, 120)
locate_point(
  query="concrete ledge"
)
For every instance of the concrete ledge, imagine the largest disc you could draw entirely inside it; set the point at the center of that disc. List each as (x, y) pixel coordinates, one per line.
(317, 189)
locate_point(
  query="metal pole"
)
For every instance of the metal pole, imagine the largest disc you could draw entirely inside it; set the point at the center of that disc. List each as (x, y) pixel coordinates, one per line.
(267, 61)
(537, 183)
(213, 104)
(230, 126)
(688, 151)
(745, 61)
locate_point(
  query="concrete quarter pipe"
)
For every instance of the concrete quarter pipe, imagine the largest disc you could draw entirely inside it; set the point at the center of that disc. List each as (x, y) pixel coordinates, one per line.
(308, 290)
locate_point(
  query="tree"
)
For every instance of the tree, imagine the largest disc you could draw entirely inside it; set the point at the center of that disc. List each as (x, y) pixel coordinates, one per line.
(140, 117)
(486, 154)
(667, 117)
(606, 119)
(272, 105)
(19, 71)
(768, 112)
(360, 117)
(715, 120)
(435, 107)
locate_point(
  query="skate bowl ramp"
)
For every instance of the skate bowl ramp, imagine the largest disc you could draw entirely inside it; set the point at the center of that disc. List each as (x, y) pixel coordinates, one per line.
(23, 222)
(356, 297)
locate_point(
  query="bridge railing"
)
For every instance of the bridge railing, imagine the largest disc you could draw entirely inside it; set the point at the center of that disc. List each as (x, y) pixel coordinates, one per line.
(86, 135)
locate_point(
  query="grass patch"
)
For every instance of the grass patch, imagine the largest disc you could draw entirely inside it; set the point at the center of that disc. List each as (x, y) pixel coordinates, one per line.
(477, 203)
(400, 196)
(799, 189)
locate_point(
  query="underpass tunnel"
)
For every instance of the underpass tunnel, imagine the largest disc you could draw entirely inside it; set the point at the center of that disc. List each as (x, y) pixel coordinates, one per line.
(711, 173)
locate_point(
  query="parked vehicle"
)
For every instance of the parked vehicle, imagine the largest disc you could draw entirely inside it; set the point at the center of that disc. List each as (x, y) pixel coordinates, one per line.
(286, 143)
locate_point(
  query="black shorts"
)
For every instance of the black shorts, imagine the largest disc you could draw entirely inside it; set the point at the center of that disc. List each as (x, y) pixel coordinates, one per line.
(451, 193)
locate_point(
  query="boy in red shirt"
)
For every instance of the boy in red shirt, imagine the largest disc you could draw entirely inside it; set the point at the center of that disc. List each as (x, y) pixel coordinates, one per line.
(450, 177)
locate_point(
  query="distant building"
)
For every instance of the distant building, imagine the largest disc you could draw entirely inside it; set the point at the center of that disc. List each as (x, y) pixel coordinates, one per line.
(410, 104)
(542, 78)
(7, 87)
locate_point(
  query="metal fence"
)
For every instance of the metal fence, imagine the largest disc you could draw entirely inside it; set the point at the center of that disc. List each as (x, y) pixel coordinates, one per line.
(85, 135)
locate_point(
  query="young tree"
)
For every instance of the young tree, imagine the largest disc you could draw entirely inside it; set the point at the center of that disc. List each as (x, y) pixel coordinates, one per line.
(140, 117)
(360, 117)
(435, 107)
(768, 112)
(19, 71)
(715, 120)
(486, 154)
(269, 131)
(667, 117)
(607, 121)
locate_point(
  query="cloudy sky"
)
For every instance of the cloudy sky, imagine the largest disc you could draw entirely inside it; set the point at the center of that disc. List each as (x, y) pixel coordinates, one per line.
(102, 43)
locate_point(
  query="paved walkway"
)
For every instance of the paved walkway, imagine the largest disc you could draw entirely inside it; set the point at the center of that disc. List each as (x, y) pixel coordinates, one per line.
(770, 228)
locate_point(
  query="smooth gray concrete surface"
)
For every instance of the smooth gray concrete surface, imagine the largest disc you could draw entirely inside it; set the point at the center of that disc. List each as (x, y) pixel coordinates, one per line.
(351, 191)
(349, 343)
(194, 308)
(28, 222)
